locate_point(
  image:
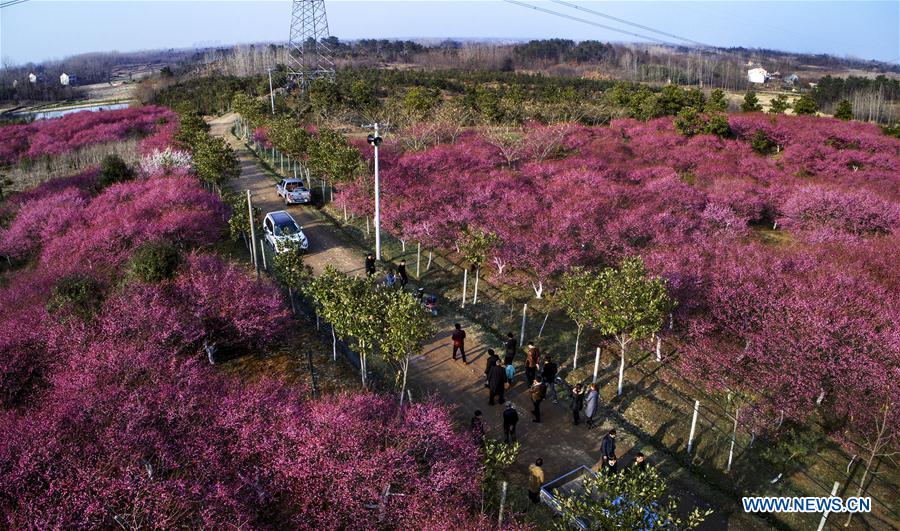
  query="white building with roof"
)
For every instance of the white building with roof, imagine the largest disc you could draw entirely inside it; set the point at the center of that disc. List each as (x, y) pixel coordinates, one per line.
(757, 75)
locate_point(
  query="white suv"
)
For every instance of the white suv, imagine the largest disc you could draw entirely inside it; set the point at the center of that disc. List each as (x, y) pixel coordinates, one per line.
(280, 229)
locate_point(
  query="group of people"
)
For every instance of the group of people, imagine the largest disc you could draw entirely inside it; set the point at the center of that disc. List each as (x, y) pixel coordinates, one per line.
(392, 277)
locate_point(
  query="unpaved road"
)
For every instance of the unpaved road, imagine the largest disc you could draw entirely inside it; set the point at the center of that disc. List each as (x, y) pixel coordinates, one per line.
(562, 445)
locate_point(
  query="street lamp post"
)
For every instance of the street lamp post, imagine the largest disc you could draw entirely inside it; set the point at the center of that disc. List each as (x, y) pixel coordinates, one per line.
(375, 141)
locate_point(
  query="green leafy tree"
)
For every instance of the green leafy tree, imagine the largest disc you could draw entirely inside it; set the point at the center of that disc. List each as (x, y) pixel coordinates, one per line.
(717, 124)
(113, 170)
(289, 136)
(289, 267)
(192, 128)
(475, 246)
(214, 161)
(75, 295)
(629, 500)
(577, 296)
(806, 105)
(498, 457)
(779, 104)
(406, 327)
(644, 104)
(631, 305)
(324, 97)
(362, 96)
(716, 102)
(251, 109)
(751, 103)
(238, 220)
(844, 110)
(420, 102)
(689, 122)
(694, 98)
(331, 156)
(671, 100)
(154, 262)
(489, 104)
(328, 291)
(762, 144)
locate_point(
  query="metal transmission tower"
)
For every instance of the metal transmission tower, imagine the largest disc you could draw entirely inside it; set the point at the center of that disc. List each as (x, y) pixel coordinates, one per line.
(310, 58)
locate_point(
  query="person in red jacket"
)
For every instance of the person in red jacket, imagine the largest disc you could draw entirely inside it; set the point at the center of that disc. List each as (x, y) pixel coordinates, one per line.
(459, 342)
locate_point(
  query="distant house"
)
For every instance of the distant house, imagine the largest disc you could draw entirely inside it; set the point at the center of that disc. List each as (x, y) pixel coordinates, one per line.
(757, 75)
(66, 79)
(32, 78)
(791, 79)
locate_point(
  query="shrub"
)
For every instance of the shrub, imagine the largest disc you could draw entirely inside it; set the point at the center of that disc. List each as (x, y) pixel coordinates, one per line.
(806, 105)
(844, 110)
(75, 294)
(113, 170)
(761, 143)
(154, 261)
(718, 125)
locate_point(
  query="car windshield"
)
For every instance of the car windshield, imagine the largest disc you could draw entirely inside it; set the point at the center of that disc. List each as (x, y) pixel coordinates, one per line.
(286, 227)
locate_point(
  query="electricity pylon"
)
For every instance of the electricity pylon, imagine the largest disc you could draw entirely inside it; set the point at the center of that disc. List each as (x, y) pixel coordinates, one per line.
(310, 57)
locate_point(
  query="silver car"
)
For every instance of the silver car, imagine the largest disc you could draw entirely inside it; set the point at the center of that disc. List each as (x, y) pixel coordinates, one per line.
(280, 229)
(293, 192)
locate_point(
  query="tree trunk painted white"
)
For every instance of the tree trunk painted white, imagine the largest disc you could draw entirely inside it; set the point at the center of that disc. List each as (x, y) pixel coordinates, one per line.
(834, 490)
(621, 369)
(465, 281)
(522, 332)
(690, 444)
(475, 291)
(362, 362)
(538, 289)
(502, 504)
(368, 231)
(737, 412)
(596, 365)
(262, 251)
(541, 331)
(430, 256)
(403, 245)
(333, 343)
(658, 348)
(345, 213)
(577, 338)
(291, 296)
(418, 259)
(405, 369)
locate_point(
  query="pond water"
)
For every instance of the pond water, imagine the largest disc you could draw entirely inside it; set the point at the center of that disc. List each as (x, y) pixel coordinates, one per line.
(44, 115)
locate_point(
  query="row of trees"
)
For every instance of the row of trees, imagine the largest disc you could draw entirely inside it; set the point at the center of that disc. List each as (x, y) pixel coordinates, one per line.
(389, 322)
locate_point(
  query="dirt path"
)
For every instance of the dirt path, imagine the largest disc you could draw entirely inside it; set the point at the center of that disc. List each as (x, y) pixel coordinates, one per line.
(562, 445)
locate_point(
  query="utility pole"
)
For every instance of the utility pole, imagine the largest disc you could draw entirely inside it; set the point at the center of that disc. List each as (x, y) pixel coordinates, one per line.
(375, 141)
(271, 92)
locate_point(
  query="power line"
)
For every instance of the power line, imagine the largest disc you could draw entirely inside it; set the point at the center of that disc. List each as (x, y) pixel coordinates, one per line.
(629, 23)
(11, 3)
(585, 21)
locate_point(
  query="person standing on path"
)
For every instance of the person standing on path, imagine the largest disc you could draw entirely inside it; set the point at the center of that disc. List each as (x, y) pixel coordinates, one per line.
(404, 276)
(577, 403)
(535, 480)
(370, 264)
(548, 373)
(532, 359)
(608, 445)
(510, 374)
(510, 349)
(538, 392)
(491, 362)
(459, 341)
(496, 383)
(591, 401)
(510, 419)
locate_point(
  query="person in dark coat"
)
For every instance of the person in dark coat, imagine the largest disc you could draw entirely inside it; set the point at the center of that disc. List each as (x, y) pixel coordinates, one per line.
(510, 348)
(577, 403)
(370, 264)
(538, 392)
(548, 373)
(401, 271)
(459, 341)
(532, 359)
(496, 383)
(610, 465)
(491, 362)
(510, 419)
(639, 464)
(608, 445)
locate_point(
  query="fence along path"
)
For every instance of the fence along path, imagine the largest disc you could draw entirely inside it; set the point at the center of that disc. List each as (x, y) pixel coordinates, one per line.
(562, 445)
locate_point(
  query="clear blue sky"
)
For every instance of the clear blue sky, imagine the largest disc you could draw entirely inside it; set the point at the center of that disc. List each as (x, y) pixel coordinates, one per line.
(39, 29)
